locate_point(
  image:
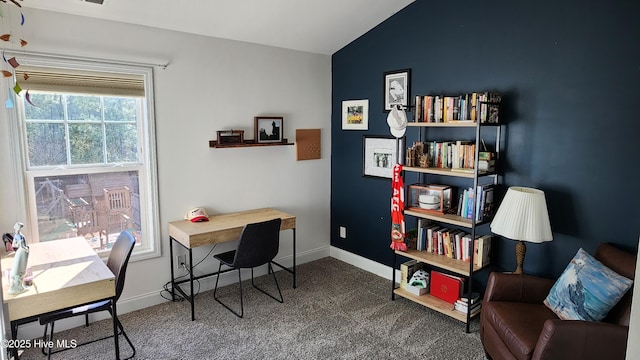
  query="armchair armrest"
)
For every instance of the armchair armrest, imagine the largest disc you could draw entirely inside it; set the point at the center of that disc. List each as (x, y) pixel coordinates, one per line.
(519, 288)
(581, 340)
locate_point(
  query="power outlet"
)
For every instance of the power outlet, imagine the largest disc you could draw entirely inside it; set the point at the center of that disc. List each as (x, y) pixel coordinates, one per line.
(181, 259)
(343, 232)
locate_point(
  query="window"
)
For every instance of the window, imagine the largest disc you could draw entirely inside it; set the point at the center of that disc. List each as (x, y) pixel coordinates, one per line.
(88, 152)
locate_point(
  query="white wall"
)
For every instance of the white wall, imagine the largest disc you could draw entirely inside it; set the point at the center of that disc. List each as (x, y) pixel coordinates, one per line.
(210, 84)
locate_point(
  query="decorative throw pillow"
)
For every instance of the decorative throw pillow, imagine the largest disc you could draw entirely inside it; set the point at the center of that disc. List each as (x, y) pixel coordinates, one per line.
(586, 290)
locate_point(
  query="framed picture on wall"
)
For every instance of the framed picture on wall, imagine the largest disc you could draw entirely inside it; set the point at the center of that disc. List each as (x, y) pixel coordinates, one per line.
(355, 114)
(268, 129)
(397, 88)
(379, 154)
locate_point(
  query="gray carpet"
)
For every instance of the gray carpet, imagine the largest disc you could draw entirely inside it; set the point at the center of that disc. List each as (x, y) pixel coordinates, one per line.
(337, 311)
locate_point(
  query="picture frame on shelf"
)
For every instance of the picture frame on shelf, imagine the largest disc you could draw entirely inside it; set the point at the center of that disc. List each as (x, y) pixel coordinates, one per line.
(355, 114)
(397, 89)
(379, 154)
(268, 129)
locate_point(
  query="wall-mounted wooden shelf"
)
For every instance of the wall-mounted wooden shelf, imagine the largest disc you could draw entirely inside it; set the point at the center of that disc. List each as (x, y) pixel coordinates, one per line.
(246, 143)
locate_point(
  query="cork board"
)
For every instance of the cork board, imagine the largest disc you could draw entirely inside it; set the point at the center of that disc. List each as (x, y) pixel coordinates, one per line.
(307, 144)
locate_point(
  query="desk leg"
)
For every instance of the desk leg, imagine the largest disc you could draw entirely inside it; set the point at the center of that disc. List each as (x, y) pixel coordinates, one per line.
(193, 300)
(175, 285)
(173, 279)
(114, 315)
(294, 258)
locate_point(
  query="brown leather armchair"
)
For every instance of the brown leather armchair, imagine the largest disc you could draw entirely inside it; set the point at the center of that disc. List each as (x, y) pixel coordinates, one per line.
(515, 324)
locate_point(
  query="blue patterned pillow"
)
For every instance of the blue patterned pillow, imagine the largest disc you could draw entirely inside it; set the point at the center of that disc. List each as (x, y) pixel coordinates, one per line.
(586, 290)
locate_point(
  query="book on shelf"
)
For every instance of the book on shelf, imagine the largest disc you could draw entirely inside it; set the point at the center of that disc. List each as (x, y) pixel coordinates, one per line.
(465, 308)
(422, 234)
(407, 269)
(466, 208)
(486, 203)
(481, 203)
(429, 237)
(484, 196)
(475, 297)
(446, 242)
(482, 250)
(465, 305)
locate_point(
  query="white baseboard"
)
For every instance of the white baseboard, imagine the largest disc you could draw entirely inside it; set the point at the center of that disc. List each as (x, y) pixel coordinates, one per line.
(125, 305)
(363, 263)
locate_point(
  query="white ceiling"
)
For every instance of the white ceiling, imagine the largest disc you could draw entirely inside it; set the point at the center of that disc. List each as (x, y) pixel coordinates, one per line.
(318, 26)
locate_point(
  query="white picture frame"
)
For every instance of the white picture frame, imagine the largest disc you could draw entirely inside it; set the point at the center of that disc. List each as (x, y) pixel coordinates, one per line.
(355, 114)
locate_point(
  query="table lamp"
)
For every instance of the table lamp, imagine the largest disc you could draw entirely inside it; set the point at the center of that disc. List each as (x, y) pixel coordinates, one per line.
(523, 216)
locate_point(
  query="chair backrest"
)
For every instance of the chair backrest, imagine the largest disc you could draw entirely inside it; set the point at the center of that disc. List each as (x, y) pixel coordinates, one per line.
(624, 264)
(119, 259)
(259, 243)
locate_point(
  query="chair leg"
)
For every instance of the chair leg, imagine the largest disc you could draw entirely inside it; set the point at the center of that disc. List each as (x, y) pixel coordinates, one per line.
(44, 338)
(217, 278)
(241, 314)
(273, 273)
(50, 351)
(126, 338)
(50, 339)
(114, 315)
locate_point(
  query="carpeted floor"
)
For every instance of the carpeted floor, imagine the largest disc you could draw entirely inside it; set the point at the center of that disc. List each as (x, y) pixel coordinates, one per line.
(337, 311)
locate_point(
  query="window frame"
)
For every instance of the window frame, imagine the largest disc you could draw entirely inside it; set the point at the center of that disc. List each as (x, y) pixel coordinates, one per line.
(147, 166)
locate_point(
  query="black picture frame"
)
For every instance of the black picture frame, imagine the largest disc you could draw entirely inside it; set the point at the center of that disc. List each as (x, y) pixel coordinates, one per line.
(379, 154)
(396, 89)
(268, 129)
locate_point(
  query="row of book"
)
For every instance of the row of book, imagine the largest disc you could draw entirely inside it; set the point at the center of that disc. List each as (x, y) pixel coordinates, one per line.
(482, 199)
(453, 243)
(456, 155)
(472, 107)
(451, 154)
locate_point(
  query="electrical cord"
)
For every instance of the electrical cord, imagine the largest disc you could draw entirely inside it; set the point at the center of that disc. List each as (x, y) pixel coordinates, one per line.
(166, 288)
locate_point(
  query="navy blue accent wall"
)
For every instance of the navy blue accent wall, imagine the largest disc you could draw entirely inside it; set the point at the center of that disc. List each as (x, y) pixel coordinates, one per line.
(570, 75)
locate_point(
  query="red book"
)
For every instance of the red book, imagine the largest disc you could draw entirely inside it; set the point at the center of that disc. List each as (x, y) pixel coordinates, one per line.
(446, 287)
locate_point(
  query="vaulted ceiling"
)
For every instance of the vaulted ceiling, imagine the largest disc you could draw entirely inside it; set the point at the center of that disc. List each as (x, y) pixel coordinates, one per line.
(317, 26)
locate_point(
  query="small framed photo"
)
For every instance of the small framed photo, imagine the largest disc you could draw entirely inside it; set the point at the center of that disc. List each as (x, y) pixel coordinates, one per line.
(355, 114)
(379, 154)
(269, 129)
(397, 88)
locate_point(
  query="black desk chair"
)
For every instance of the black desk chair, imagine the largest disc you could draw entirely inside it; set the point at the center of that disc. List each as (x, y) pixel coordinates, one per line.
(117, 263)
(258, 245)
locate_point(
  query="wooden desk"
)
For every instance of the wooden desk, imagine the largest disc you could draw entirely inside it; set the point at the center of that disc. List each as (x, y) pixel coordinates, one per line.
(220, 228)
(66, 273)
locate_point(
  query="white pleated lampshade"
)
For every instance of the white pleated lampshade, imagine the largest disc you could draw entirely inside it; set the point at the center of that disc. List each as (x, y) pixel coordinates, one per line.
(523, 215)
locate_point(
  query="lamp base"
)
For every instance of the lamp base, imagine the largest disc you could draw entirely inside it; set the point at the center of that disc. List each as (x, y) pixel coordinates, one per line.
(521, 250)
